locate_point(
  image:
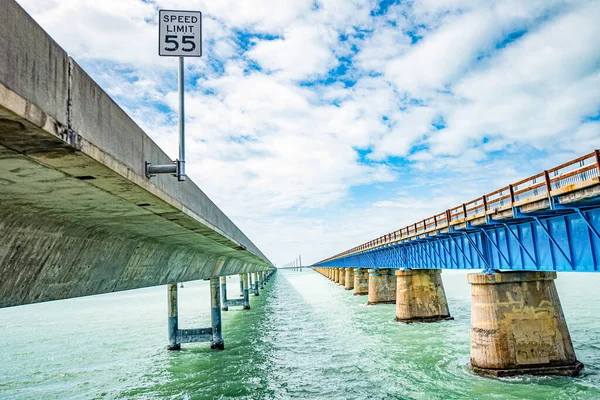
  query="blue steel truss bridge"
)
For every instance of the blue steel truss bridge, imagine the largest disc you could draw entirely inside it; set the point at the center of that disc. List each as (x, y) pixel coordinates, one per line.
(546, 222)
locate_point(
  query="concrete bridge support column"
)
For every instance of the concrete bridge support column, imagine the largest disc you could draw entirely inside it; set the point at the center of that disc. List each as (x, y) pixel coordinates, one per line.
(382, 286)
(215, 315)
(420, 296)
(518, 326)
(269, 274)
(361, 282)
(342, 276)
(256, 292)
(241, 286)
(245, 294)
(336, 275)
(173, 322)
(349, 279)
(261, 283)
(224, 306)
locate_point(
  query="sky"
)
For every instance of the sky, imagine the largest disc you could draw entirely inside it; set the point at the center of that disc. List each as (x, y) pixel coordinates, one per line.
(318, 125)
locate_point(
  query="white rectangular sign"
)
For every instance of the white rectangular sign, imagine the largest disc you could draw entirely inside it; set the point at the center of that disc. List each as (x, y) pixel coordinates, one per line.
(180, 33)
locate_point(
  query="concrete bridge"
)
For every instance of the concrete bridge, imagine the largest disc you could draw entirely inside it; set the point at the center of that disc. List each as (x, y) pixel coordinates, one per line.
(519, 235)
(78, 216)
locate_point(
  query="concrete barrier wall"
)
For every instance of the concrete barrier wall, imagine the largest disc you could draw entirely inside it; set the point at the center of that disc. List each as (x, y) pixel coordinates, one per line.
(31, 63)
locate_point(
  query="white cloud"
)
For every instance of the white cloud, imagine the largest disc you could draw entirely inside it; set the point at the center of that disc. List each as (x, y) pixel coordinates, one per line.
(537, 89)
(408, 127)
(302, 52)
(386, 43)
(442, 56)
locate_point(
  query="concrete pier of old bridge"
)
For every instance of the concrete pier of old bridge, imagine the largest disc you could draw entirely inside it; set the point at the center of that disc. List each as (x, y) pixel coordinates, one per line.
(78, 216)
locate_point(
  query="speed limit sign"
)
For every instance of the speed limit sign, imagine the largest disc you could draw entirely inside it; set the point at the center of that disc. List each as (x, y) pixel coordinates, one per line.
(180, 33)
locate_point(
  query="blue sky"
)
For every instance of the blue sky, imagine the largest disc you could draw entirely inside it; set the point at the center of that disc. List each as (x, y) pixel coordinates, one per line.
(318, 125)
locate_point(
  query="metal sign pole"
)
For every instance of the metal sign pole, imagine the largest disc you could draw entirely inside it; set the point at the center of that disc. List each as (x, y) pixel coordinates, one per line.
(181, 161)
(179, 35)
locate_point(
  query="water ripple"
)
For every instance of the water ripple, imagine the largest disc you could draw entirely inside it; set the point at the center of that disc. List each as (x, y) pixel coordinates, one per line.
(305, 337)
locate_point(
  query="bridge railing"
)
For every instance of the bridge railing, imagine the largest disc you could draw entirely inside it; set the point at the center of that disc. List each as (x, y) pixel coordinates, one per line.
(573, 175)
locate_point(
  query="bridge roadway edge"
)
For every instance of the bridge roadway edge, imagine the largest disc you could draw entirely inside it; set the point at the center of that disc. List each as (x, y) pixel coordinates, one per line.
(78, 216)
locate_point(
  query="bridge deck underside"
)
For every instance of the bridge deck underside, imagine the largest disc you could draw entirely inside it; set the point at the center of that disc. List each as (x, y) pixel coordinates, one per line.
(561, 238)
(70, 226)
(75, 221)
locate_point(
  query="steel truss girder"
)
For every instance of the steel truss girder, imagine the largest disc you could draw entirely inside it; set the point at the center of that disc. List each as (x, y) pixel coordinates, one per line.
(566, 241)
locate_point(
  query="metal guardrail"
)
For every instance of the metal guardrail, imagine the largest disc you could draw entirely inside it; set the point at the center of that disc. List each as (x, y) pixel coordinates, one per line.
(568, 177)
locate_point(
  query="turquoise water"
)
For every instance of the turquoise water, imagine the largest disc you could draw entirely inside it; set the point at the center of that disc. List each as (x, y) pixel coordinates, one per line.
(305, 337)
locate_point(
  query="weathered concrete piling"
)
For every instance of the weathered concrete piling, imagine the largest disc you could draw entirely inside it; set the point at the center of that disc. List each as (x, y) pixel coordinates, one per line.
(225, 306)
(173, 320)
(382, 286)
(268, 276)
(178, 336)
(256, 292)
(361, 282)
(218, 302)
(342, 277)
(420, 296)
(261, 283)
(215, 315)
(225, 302)
(245, 292)
(518, 326)
(517, 322)
(349, 279)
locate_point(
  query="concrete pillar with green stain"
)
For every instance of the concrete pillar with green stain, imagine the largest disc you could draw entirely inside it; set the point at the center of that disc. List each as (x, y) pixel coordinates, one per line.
(256, 292)
(173, 323)
(245, 291)
(224, 306)
(215, 315)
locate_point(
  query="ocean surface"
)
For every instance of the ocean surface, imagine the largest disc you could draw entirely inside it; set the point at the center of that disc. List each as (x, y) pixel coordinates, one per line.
(305, 337)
